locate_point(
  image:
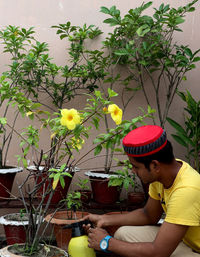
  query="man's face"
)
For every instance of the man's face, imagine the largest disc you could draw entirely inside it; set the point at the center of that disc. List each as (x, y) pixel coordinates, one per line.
(146, 175)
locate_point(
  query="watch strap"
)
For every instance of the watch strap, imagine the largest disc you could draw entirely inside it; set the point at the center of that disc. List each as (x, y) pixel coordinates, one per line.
(107, 238)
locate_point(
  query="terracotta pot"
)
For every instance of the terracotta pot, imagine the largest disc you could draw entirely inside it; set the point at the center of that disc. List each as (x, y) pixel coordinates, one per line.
(59, 220)
(102, 193)
(5, 252)
(14, 227)
(59, 193)
(112, 229)
(7, 176)
(86, 195)
(135, 198)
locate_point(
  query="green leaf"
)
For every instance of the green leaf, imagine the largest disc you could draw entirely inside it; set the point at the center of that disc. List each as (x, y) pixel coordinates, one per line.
(196, 59)
(188, 52)
(62, 182)
(66, 174)
(141, 31)
(147, 5)
(178, 127)
(104, 10)
(97, 150)
(112, 93)
(179, 20)
(115, 182)
(121, 52)
(179, 140)
(111, 21)
(126, 183)
(3, 121)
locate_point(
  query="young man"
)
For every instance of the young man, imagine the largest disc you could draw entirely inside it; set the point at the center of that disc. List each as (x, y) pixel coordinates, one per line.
(174, 189)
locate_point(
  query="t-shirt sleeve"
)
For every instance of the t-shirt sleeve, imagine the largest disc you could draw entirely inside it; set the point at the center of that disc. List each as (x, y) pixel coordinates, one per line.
(153, 191)
(184, 207)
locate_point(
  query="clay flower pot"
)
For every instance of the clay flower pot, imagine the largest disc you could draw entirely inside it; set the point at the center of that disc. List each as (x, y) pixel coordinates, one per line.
(135, 198)
(102, 193)
(59, 220)
(14, 227)
(7, 176)
(59, 193)
(86, 195)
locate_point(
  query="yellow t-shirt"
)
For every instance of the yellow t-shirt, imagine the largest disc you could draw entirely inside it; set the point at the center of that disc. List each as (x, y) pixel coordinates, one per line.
(181, 202)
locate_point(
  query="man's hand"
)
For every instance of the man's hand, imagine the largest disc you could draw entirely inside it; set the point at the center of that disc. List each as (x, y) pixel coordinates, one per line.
(95, 235)
(97, 220)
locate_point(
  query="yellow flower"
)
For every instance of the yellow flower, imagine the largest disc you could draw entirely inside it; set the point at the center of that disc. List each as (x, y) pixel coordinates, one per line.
(77, 143)
(116, 113)
(29, 113)
(105, 109)
(53, 135)
(70, 118)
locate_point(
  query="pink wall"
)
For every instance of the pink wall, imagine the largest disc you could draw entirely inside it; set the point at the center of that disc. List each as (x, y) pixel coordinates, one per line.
(42, 14)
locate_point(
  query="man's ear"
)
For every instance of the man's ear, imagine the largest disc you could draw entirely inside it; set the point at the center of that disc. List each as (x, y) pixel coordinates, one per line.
(155, 166)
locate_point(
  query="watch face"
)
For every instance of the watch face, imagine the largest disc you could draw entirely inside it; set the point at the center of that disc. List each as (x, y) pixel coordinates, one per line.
(104, 244)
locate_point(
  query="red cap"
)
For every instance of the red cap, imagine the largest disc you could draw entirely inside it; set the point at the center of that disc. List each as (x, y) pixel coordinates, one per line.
(144, 140)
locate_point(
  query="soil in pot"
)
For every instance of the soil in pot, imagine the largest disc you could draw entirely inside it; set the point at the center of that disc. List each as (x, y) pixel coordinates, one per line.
(59, 220)
(47, 251)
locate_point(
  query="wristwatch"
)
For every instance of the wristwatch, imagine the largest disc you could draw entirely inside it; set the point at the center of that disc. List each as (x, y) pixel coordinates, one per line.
(105, 243)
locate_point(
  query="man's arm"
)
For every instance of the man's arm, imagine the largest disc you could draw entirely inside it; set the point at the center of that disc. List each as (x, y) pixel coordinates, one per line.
(148, 215)
(167, 239)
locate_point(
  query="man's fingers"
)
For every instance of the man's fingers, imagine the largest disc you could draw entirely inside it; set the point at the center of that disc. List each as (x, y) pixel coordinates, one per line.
(87, 228)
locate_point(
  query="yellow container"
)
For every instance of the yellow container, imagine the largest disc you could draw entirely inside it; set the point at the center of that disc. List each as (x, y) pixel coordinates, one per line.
(78, 247)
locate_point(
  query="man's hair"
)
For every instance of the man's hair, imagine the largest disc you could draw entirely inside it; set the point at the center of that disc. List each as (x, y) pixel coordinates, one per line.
(165, 155)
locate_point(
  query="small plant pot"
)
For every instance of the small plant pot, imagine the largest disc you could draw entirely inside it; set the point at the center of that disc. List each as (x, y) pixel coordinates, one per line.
(59, 193)
(135, 198)
(86, 195)
(7, 176)
(102, 193)
(49, 250)
(59, 220)
(14, 227)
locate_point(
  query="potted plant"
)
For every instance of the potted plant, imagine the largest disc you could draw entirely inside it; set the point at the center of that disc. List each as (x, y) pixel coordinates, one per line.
(110, 142)
(32, 71)
(10, 96)
(68, 216)
(188, 135)
(127, 180)
(84, 190)
(14, 227)
(69, 127)
(145, 45)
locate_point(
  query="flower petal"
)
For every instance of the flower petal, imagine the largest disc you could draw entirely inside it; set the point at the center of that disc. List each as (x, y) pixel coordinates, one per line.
(70, 118)
(71, 125)
(112, 107)
(116, 113)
